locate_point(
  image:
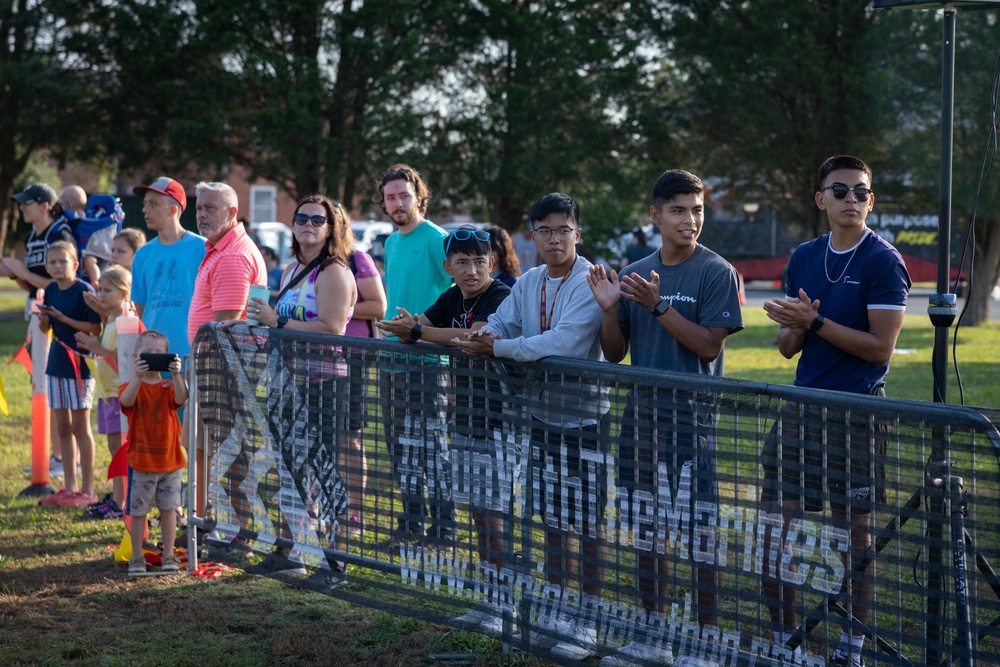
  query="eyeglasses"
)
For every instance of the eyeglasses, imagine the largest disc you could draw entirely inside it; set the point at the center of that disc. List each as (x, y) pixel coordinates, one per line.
(840, 191)
(465, 235)
(544, 233)
(314, 220)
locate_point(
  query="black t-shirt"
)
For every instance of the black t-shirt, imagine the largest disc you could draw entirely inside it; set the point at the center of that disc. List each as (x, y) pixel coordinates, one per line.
(453, 311)
(477, 405)
(37, 244)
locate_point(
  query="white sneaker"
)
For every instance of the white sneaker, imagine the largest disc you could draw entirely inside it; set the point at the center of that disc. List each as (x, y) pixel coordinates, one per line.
(550, 629)
(582, 643)
(471, 619)
(55, 467)
(492, 625)
(638, 653)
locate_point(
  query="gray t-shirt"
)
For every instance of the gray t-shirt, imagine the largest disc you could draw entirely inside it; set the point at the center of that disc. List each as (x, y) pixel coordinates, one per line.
(704, 289)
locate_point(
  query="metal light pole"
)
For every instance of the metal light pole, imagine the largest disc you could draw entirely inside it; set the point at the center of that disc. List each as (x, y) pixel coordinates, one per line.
(944, 489)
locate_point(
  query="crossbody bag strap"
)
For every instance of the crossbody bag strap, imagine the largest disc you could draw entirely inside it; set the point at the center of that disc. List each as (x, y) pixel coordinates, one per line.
(297, 278)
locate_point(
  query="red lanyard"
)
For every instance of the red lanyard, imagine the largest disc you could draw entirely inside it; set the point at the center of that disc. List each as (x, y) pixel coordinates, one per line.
(546, 321)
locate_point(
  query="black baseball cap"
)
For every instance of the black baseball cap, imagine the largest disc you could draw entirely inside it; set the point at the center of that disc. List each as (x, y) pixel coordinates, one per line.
(39, 192)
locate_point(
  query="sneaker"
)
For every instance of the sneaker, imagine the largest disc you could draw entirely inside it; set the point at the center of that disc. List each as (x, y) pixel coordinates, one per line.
(492, 625)
(136, 567)
(106, 498)
(355, 526)
(170, 564)
(107, 509)
(237, 549)
(550, 629)
(54, 498)
(636, 654)
(445, 542)
(842, 658)
(324, 580)
(55, 467)
(581, 645)
(473, 618)
(78, 499)
(275, 565)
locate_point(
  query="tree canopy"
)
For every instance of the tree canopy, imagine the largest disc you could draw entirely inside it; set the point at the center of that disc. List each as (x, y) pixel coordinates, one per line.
(500, 101)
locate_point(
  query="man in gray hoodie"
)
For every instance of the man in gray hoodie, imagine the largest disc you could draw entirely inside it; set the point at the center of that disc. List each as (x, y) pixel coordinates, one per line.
(552, 312)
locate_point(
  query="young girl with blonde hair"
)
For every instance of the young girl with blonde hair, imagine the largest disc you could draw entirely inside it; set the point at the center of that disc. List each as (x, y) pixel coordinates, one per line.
(114, 290)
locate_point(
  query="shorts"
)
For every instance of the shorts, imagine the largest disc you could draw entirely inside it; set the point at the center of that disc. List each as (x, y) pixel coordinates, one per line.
(65, 394)
(649, 445)
(850, 473)
(485, 470)
(152, 489)
(109, 416)
(569, 474)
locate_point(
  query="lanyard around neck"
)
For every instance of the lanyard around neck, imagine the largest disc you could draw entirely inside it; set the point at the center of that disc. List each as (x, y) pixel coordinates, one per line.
(545, 320)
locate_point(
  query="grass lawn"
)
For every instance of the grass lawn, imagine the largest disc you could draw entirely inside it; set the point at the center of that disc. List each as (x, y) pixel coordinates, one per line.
(64, 602)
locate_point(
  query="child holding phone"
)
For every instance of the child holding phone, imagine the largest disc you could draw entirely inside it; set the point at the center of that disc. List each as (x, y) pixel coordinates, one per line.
(112, 292)
(70, 383)
(156, 458)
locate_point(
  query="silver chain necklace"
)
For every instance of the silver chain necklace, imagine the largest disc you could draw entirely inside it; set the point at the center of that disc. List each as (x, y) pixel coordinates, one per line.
(827, 254)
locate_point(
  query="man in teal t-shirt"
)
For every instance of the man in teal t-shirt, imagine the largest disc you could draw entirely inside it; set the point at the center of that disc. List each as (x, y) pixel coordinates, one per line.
(415, 428)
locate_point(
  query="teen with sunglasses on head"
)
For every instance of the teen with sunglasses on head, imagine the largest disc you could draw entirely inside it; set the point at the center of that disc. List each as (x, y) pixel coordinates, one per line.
(462, 308)
(844, 320)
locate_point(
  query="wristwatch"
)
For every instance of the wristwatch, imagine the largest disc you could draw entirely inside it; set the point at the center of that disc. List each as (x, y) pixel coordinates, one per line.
(415, 332)
(660, 308)
(282, 321)
(817, 323)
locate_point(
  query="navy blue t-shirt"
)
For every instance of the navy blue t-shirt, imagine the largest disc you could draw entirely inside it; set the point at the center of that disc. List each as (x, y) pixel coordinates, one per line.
(71, 304)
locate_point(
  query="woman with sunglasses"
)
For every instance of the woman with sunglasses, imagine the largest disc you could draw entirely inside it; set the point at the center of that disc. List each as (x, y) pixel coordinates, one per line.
(318, 294)
(322, 299)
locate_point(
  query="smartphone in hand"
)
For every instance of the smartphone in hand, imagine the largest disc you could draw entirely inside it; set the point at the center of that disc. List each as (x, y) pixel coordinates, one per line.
(157, 362)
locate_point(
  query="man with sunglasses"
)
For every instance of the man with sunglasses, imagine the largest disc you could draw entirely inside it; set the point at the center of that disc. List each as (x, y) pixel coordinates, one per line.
(414, 386)
(844, 320)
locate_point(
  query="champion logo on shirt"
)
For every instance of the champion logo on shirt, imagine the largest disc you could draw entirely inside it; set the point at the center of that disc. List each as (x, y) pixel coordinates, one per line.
(679, 297)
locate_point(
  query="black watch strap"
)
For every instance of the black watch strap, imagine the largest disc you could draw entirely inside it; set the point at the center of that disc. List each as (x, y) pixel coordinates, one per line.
(415, 332)
(282, 321)
(661, 307)
(817, 323)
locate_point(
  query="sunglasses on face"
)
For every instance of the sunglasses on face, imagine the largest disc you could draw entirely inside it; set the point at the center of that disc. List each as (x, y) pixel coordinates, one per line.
(840, 191)
(465, 235)
(314, 220)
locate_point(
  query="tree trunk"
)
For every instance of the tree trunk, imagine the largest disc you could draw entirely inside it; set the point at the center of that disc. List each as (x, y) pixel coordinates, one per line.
(985, 272)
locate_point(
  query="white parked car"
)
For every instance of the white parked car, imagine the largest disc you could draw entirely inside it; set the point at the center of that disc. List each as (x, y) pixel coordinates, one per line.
(277, 236)
(370, 235)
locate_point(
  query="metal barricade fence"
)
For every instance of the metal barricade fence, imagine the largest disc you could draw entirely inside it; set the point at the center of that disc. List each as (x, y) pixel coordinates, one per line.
(579, 507)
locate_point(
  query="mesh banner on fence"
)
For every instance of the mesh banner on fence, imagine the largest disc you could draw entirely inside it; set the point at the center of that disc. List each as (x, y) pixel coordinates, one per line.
(575, 508)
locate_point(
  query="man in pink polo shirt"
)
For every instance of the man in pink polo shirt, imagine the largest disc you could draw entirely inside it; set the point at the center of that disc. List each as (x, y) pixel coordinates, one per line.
(232, 263)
